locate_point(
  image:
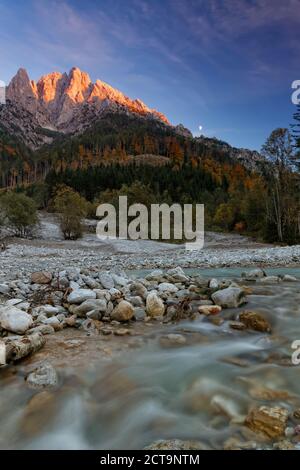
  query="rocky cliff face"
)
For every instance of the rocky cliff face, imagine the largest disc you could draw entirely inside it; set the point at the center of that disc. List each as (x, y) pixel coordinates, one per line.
(67, 102)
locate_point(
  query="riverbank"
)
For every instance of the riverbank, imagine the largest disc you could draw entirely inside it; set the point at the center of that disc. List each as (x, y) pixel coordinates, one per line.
(26, 256)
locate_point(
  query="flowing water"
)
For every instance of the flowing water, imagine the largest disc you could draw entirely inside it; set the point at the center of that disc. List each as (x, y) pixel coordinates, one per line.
(201, 390)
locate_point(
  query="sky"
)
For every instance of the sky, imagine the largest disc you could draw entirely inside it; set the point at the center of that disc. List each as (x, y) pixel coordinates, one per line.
(225, 65)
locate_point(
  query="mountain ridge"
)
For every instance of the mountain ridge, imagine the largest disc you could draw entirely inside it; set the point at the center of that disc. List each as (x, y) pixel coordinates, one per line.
(57, 97)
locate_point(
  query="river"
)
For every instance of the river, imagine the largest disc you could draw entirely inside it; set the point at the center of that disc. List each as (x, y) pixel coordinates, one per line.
(200, 390)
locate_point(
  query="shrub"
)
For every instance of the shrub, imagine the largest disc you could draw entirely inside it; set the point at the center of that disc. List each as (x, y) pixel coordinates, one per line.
(72, 208)
(224, 216)
(19, 212)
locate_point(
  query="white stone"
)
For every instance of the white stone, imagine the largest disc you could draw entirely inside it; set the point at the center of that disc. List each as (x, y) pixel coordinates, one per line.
(154, 305)
(80, 295)
(106, 280)
(232, 297)
(167, 287)
(15, 320)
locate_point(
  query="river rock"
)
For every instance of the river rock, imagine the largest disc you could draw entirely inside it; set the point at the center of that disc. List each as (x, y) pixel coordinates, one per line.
(124, 311)
(106, 280)
(120, 280)
(284, 445)
(255, 321)
(71, 321)
(172, 339)
(80, 295)
(270, 421)
(232, 297)
(122, 332)
(235, 444)
(213, 284)
(44, 376)
(19, 348)
(49, 310)
(41, 277)
(54, 322)
(137, 289)
(94, 315)
(288, 278)
(139, 314)
(71, 272)
(136, 301)
(227, 407)
(177, 274)
(237, 325)
(254, 274)
(209, 309)
(15, 320)
(155, 275)
(99, 305)
(90, 282)
(44, 329)
(167, 287)
(4, 289)
(154, 305)
(270, 280)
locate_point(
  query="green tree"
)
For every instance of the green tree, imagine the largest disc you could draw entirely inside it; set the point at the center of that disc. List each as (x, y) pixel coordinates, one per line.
(19, 212)
(224, 216)
(72, 208)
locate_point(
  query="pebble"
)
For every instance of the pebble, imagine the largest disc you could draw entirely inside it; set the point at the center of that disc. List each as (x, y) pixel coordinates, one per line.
(209, 309)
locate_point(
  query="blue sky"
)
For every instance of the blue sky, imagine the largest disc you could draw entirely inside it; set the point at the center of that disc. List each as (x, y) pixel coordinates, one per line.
(227, 65)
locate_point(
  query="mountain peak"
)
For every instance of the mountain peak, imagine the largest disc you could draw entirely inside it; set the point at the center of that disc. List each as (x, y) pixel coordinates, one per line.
(58, 100)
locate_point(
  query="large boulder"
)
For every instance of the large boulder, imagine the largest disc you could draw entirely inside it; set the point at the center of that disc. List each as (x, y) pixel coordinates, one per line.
(154, 305)
(124, 311)
(232, 297)
(15, 320)
(80, 295)
(41, 277)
